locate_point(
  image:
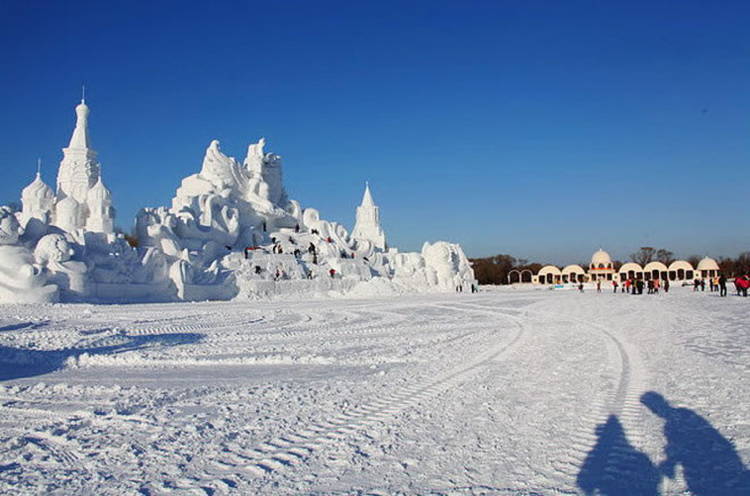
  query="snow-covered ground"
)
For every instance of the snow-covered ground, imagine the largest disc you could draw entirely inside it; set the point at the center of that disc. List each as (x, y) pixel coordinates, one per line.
(504, 392)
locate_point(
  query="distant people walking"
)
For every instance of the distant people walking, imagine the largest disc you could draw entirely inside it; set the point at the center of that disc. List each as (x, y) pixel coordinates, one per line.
(614, 286)
(666, 285)
(598, 286)
(722, 285)
(639, 285)
(580, 287)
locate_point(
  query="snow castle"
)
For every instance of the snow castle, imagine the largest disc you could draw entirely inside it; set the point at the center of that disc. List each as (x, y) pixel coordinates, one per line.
(231, 231)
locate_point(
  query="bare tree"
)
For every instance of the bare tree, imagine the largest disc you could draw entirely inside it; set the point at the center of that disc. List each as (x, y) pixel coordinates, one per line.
(665, 256)
(643, 256)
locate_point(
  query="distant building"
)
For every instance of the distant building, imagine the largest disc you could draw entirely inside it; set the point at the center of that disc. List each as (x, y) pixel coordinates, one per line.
(601, 268)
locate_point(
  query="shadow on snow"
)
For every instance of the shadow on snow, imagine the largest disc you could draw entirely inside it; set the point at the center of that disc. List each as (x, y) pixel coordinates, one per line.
(18, 363)
(710, 463)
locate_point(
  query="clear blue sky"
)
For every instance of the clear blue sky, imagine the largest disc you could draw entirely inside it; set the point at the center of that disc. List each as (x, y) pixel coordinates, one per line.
(539, 129)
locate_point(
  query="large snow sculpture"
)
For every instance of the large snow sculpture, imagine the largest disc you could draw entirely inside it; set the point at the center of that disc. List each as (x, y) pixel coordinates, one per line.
(231, 228)
(21, 279)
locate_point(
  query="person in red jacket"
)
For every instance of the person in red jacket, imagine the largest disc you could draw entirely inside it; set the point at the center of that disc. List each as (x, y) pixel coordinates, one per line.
(742, 283)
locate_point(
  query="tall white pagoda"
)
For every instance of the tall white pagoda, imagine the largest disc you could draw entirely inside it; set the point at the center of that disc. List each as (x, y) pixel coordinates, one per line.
(367, 226)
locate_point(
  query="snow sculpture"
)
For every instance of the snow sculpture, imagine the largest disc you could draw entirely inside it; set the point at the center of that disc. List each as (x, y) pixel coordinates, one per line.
(21, 280)
(101, 213)
(38, 200)
(79, 178)
(230, 228)
(79, 169)
(68, 215)
(54, 253)
(368, 227)
(447, 265)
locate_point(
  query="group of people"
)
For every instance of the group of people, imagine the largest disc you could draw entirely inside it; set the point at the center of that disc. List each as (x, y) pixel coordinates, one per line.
(636, 286)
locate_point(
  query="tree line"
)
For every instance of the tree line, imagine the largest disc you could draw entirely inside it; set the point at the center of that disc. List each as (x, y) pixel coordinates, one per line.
(497, 268)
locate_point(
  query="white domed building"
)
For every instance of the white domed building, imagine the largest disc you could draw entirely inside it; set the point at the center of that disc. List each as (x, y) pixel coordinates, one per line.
(602, 268)
(708, 267)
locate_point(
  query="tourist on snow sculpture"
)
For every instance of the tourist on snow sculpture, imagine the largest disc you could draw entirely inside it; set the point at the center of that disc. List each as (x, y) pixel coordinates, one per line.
(21, 279)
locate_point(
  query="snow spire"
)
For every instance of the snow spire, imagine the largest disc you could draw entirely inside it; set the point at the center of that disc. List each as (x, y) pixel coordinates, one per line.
(367, 226)
(367, 197)
(80, 137)
(39, 167)
(79, 169)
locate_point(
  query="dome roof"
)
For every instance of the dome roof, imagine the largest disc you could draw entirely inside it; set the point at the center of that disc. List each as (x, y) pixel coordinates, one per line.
(98, 193)
(655, 265)
(549, 269)
(627, 267)
(37, 190)
(680, 264)
(577, 269)
(600, 257)
(708, 264)
(67, 204)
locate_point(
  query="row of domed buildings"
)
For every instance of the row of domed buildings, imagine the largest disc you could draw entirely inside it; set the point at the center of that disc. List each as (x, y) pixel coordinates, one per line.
(601, 268)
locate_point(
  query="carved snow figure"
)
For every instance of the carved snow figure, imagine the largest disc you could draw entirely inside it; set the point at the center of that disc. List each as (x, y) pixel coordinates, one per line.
(367, 227)
(265, 175)
(449, 265)
(155, 227)
(21, 280)
(54, 253)
(100, 212)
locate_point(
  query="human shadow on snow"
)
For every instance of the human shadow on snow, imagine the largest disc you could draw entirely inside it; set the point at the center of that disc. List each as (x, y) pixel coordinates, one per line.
(710, 463)
(19, 363)
(615, 468)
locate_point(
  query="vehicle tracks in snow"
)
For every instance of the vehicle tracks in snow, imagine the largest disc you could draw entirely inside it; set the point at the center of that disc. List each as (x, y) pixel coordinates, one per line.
(298, 446)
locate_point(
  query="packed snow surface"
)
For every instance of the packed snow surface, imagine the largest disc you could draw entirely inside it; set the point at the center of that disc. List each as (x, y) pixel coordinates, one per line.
(505, 392)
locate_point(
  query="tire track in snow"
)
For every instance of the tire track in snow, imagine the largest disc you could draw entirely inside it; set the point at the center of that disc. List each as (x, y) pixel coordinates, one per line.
(624, 402)
(296, 447)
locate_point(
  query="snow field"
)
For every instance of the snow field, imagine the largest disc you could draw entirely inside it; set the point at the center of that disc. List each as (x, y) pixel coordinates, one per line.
(504, 392)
